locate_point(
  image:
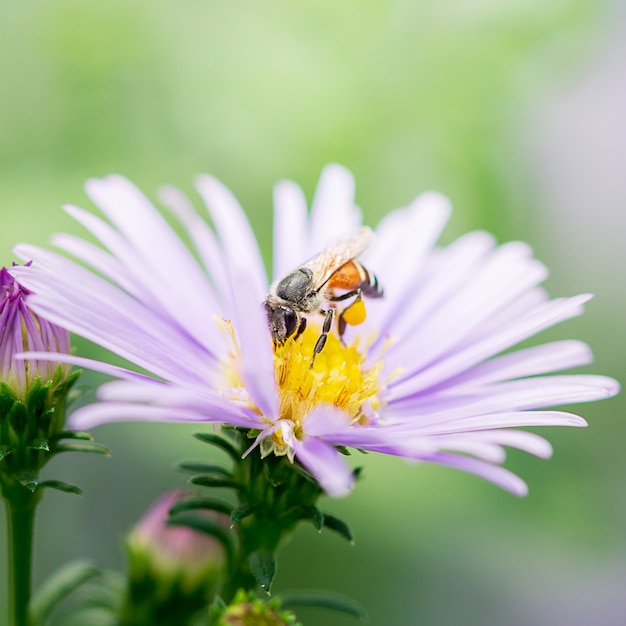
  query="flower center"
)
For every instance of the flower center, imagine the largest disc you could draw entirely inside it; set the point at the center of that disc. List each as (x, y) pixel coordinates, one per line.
(337, 378)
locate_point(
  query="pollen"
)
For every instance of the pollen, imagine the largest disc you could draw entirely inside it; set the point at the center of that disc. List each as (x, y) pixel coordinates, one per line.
(338, 378)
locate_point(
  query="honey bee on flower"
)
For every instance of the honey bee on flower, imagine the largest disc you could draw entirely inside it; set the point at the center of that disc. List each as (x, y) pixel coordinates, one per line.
(312, 285)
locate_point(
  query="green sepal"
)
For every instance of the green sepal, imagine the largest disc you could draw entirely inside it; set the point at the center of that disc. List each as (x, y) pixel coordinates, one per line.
(28, 479)
(241, 512)
(39, 444)
(221, 443)
(18, 416)
(81, 446)
(63, 582)
(217, 608)
(323, 600)
(339, 526)
(59, 485)
(314, 515)
(272, 478)
(263, 568)
(343, 450)
(205, 525)
(204, 468)
(37, 397)
(5, 451)
(62, 382)
(7, 398)
(73, 434)
(195, 503)
(209, 481)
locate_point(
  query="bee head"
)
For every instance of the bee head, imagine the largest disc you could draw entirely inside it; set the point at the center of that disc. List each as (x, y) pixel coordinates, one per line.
(283, 321)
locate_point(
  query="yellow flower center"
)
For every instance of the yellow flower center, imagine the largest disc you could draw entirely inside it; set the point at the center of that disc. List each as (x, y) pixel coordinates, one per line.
(338, 378)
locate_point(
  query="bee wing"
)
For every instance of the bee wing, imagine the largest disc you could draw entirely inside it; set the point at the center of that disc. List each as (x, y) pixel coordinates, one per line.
(335, 256)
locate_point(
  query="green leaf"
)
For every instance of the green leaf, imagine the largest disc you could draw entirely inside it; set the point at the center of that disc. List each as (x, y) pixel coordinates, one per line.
(81, 446)
(209, 481)
(263, 568)
(314, 515)
(206, 525)
(204, 468)
(73, 434)
(198, 502)
(241, 512)
(5, 451)
(59, 586)
(39, 444)
(61, 486)
(323, 600)
(94, 616)
(339, 526)
(221, 443)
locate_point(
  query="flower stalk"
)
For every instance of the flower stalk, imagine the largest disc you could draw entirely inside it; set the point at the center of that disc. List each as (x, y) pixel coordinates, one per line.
(20, 503)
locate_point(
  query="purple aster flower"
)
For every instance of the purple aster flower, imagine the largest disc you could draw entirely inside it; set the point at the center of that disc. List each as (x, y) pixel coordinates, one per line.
(427, 376)
(20, 330)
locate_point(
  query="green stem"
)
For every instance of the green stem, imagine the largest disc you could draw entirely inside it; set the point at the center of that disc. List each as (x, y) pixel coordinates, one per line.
(20, 506)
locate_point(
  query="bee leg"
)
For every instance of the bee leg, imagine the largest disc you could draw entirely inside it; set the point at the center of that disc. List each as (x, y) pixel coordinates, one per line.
(345, 296)
(321, 340)
(301, 327)
(353, 314)
(341, 327)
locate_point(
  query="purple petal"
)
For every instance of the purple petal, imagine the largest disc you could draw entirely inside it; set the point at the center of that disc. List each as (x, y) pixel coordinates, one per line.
(413, 230)
(257, 357)
(236, 236)
(170, 263)
(326, 420)
(543, 359)
(333, 213)
(291, 244)
(96, 366)
(542, 317)
(326, 464)
(92, 415)
(525, 394)
(493, 473)
(437, 425)
(118, 323)
(205, 242)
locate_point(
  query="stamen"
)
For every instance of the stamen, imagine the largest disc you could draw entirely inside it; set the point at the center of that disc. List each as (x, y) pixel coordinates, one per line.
(338, 378)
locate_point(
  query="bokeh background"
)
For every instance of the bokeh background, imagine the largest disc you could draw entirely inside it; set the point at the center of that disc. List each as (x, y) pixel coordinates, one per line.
(516, 110)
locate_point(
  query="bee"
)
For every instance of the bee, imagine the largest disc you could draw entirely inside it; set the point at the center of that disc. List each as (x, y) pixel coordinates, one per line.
(313, 285)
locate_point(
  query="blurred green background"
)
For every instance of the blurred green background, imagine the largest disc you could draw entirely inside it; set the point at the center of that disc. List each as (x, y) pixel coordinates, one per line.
(513, 109)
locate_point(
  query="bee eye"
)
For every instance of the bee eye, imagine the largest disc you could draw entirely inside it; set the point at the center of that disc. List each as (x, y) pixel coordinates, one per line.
(291, 322)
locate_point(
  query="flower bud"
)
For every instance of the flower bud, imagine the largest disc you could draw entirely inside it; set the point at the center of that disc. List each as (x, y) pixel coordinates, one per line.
(247, 610)
(174, 571)
(33, 392)
(21, 330)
